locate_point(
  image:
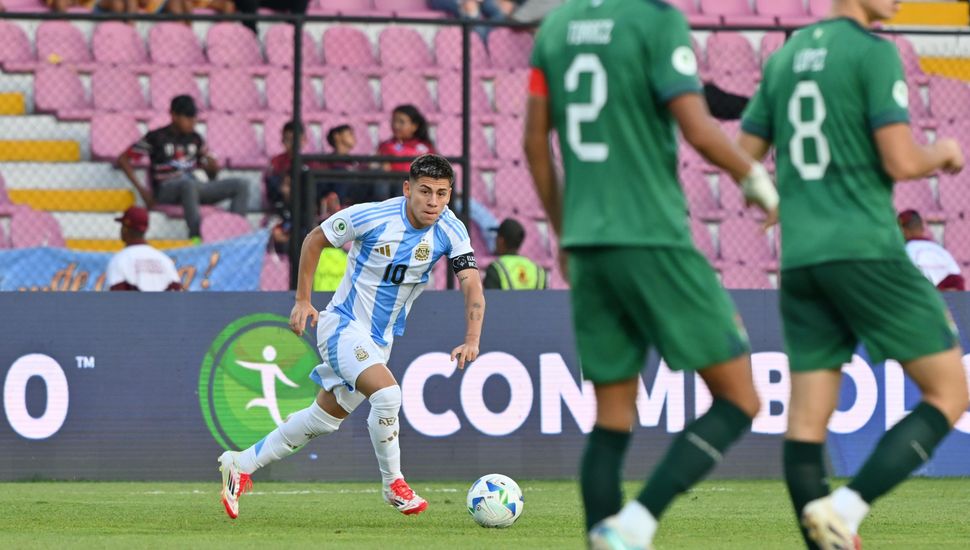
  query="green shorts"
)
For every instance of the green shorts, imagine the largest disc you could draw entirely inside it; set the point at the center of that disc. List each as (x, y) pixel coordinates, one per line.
(888, 305)
(627, 299)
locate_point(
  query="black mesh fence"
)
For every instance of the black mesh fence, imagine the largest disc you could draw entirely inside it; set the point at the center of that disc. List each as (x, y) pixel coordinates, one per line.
(98, 117)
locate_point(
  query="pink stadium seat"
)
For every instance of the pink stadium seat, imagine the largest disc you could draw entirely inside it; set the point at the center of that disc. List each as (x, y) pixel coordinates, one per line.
(916, 195)
(168, 82)
(954, 195)
(508, 138)
(732, 201)
(407, 8)
(58, 88)
(439, 276)
(702, 239)
(112, 134)
(279, 93)
(159, 120)
(694, 16)
(275, 275)
(956, 239)
(60, 39)
(403, 48)
(448, 141)
(480, 191)
(342, 7)
(700, 200)
(735, 12)
(948, 98)
(233, 141)
(819, 8)
(515, 194)
(365, 142)
(232, 45)
(175, 45)
(30, 228)
(509, 49)
(450, 95)
(744, 83)
(403, 87)
(770, 43)
(220, 225)
(233, 91)
(533, 246)
(348, 47)
(742, 276)
(910, 59)
(16, 53)
(273, 134)
(730, 52)
(790, 12)
(118, 43)
(556, 281)
(348, 93)
(479, 245)
(118, 90)
(447, 49)
(279, 47)
(510, 92)
(743, 241)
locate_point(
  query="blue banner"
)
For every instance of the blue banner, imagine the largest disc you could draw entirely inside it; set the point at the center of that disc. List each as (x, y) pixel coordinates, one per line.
(233, 264)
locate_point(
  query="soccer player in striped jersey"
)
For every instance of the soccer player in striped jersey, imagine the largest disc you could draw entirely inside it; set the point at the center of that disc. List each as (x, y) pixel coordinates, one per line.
(395, 245)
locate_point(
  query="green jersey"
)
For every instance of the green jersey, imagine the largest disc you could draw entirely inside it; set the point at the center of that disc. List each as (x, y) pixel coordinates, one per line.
(611, 66)
(823, 95)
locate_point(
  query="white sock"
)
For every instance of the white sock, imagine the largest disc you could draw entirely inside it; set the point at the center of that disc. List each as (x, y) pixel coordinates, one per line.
(848, 504)
(384, 428)
(637, 524)
(299, 428)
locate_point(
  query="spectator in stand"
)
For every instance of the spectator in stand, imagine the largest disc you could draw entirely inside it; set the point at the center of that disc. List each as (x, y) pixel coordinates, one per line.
(475, 9)
(224, 7)
(174, 152)
(510, 271)
(932, 259)
(409, 137)
(330, 269)
(342, 141)
(138, 266)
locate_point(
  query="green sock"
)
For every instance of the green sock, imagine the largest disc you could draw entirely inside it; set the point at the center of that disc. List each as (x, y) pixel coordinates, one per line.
(904, 448)
(599, 474)
(805, 476)
(693, 454)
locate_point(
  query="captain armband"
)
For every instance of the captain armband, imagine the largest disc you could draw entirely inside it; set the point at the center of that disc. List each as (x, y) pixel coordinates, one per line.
(463, 262)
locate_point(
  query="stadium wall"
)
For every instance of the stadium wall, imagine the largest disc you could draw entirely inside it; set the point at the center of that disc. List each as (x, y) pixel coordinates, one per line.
(152, 387)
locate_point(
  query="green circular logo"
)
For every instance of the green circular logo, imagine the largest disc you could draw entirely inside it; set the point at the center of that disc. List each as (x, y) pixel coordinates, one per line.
(253, 376)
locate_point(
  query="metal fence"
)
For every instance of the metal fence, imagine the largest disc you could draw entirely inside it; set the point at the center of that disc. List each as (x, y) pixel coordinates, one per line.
(77, 94)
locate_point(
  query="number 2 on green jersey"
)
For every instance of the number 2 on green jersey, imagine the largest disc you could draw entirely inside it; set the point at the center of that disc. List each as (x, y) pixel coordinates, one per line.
(578, 113)
(811, 129)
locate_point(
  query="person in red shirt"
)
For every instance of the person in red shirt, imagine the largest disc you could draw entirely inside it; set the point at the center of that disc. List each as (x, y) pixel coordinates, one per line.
(409, 138)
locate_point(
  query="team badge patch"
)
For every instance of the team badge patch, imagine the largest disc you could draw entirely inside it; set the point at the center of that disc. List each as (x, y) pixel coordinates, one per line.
(361, 354)
(422, 252)
(684, 61)
(901, 94)
(339, 227)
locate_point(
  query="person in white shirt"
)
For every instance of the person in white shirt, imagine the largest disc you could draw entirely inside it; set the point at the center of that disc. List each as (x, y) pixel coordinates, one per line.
(395, 244)
(139, 266)
(932, 259)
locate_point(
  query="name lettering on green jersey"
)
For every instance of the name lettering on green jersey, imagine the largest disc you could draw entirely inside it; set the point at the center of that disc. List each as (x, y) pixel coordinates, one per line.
(811, 60)
(598, 31)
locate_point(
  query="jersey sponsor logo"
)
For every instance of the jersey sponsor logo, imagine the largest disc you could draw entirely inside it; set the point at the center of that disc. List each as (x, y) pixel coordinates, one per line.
(253, 376)
(901, 93)
(684, 61)
(339, 227)
(361, 354)
(811, 60)
(384, 250)
(422, 252)
(598, 31)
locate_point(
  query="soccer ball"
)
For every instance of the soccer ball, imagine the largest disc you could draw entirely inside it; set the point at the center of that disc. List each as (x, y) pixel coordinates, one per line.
(495, 500)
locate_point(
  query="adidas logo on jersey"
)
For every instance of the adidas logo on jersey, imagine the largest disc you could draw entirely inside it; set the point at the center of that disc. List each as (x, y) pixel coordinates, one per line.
(384, 250)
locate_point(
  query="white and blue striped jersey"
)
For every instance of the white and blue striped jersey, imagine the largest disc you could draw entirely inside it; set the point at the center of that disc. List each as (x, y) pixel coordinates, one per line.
(389, 262)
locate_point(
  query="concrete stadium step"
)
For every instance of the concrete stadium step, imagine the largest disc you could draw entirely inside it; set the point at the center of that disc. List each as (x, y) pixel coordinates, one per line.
(102, 226)
(950, 67)
(74, 200)
(12, 104)
(81, 175)
(949, 14)
(46, 127)
(114, 245)
(39, 150)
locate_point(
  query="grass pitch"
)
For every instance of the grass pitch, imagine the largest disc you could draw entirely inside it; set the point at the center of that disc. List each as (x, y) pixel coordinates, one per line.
(716, 515)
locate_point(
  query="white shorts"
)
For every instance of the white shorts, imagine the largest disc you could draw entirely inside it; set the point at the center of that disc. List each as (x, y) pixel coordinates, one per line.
(346, 348)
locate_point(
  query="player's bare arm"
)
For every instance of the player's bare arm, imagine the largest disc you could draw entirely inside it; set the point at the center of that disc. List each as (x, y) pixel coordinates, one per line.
(703, 134)
(125, 164)
(470, 282)
(313, 245)
(904, 159)
(536, 144)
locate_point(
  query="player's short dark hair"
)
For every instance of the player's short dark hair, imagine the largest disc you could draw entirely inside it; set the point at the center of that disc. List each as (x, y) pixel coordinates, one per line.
(332, 133)
(512, 233)
(910, 219)
(431, 166)
(292, 125)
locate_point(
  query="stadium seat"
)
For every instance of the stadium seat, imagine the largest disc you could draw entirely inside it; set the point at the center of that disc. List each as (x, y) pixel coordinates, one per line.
(700, 200)
(159, 120)
(30, 228)
(348, 92)
(509, 49)
(279, 93)
(403, 87)
(347, 47)
(744, 277)
(743, 241)
(785, 12)
(60, 42)
(439, 276)
(118, 43)
(916, 195)
(447, 50)
(948, 98)
(59, 89)
(955, 195)
(770, 43)
(112, 134)
(511, 91)
(448, 141)
(168, 82)
(735, 12)
(118, 90)
(220, 225)
(730, 52)
(515, 194)
(702, 239)
(232, 45)
(275, 274)
(279, 49)
(910, 59)
(693, 14)
(533, 246)
(819, 8)
(508, 138)
(956, 239)
(450, 95)
(403, 48)
(174, 44)
(365, 141)
(233, 91)
(743, 84)
(233, 141)
(16, 53)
